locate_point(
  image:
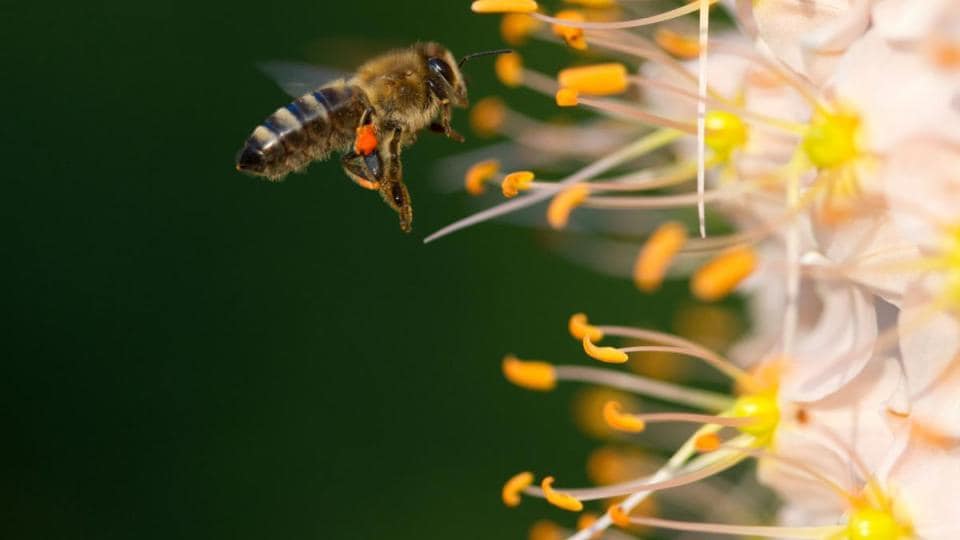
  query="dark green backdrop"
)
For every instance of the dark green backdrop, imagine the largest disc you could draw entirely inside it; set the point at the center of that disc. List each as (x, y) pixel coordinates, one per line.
(195, 354)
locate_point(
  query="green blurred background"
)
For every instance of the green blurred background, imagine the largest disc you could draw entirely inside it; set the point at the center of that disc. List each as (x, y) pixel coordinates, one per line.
(193, 353)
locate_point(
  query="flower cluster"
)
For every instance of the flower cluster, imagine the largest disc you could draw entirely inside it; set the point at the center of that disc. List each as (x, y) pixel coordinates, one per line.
(823, 136)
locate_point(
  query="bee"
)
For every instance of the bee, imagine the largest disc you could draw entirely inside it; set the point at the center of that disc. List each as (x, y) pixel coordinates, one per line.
(368, 117)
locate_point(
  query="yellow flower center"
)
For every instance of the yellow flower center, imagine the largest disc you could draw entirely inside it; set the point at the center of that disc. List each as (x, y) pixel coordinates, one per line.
(764, 411)
(873, 524)
(725, 132)
(951, 257)
(831, 139)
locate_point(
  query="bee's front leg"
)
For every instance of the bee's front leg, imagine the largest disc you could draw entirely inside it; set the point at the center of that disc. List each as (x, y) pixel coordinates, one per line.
(443, 126)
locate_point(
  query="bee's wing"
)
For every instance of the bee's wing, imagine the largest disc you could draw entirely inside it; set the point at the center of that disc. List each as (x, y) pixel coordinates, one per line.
(298, 78)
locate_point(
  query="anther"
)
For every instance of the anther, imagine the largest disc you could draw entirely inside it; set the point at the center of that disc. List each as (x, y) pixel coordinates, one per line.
(567, 97)
(579, 328)
(529, 374)
(657, 254)
(707, 442)
(503, 6)
(596, 79)
(514, 486)
(610, 355)
(617, 419)
(480, 173)
(509, 69)
(558, 499)
(572, 36)
(586, 520)
(677, 44)
(558, 213)
(516, 182)
(487, 116)
(720, 276)
(618, 516)
(545, 529)
(515, 28)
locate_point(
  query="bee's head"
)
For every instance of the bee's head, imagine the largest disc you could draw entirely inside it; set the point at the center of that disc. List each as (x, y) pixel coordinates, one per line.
(443, 74)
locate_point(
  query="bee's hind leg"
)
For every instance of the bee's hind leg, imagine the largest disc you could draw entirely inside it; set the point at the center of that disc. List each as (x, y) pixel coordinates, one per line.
(361, 169)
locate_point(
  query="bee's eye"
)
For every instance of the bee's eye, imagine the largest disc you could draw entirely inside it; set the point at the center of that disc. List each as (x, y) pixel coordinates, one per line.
(441, 68)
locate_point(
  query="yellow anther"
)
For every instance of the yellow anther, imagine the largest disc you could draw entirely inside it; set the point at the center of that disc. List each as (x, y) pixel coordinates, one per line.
(831, 139)
(677, 44)
(614, 416)
(708, 442)
(513, 487)
(596, 79)
(516, 182)
(572, 36)
(478, 174)
(516, 27)
(509, 69)
(610, 355)
(487, 116)
(657, 254)
(558, 213)
(720, 276)
(580, 328)
(567, 97)
(594, 3)
(503, 6)
(585, 520)
(545, 529)
(558, 499)
(618, 516)
(764, 411)
(725, 132)
(872, 524)
(529, 374)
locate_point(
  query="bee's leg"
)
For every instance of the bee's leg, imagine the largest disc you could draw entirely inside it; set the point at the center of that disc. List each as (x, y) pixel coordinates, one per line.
(392, 189)
(443, 126)
(361, 169)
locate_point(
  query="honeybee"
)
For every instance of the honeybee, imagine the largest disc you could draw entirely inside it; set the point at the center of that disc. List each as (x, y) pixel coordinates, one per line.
(369, 117)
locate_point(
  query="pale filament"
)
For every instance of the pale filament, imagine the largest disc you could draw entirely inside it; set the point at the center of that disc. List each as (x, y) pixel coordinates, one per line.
(619, 109)
(634, 23)
(663, 201)
(699, 399)
(814, 533)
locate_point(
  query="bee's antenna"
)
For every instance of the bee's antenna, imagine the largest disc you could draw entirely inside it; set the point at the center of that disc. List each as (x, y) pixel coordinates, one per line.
(484, 53)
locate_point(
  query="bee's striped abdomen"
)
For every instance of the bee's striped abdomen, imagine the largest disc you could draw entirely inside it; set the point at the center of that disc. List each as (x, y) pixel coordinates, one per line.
(305, 130)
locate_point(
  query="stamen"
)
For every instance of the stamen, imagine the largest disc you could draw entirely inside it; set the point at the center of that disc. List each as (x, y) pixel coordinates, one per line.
(558, 213)
(720, 276)
(571, 35)
(596, 79)
(516, 182)
(817, 533)
(488, 115)
(515, 28)
(677, 44)
(645, 21)
(560, 500)
(478, 174)
(610, 355)
(529, 374)
(503, 6)
(659, 202)
(509, 69)
(682, 395)
(620, 110)
(701, 118)
(514, 486)
(657, 254)
(580, 328)
(567, 97)
(613, 416)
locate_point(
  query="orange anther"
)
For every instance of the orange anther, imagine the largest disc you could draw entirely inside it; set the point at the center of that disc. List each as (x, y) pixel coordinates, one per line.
(720, 276)
(585, 520)
(610, 355)
(708, 442)
(480, 173)
(503, 6)
(516, 27)
(567, 97)
(545, 529)
(509, 69)
(366, 141)
(657, 254)
(487, 116)
(618, 516)
(558, 499)
(558, 213)
(597, 79)
(615, 418)
(532, 375)
(571, 35)
(677, 44)
(579, 328)
(516, 182)
(513, 487)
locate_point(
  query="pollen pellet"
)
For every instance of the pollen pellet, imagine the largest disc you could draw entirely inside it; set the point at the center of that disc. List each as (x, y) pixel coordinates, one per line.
(515, 28)
(596, 79)
(579, 328)
(558, 213)
(571, 35)
(677, 44)
(532, 375)
(478, 174)
(366, 141)
(720, 276)
(513, 487)
(616, 419)
(516, 182)
(567, 97)
(487, 116)
(503, 6)
(657, 254)
(558, 499)
(610, 355)
(509, 69)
